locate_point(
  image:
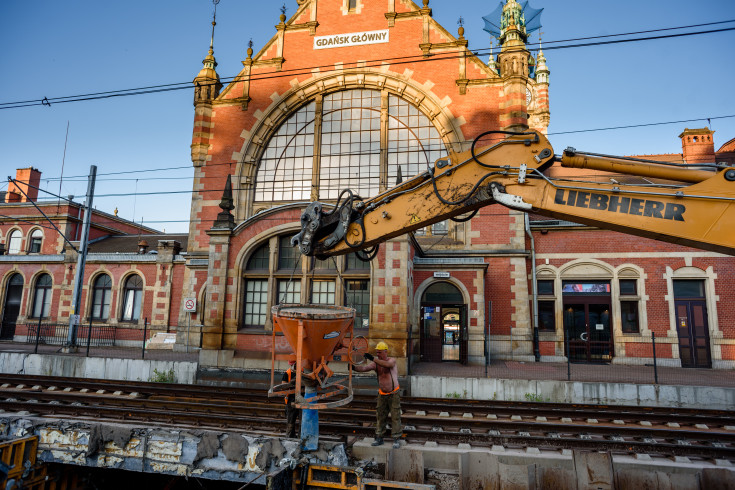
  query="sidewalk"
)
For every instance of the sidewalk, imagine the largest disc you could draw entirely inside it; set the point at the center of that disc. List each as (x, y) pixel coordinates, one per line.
(600, 373)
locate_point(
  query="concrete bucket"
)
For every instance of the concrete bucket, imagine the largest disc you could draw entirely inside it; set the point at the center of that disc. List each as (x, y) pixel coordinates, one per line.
(318, 334)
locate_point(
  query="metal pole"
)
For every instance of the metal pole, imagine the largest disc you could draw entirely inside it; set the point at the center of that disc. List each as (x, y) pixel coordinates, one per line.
(188, 331)
(145, 332)
(655, 368)
(569, 358)
(76, 299)
(38, 335)
(89, 336)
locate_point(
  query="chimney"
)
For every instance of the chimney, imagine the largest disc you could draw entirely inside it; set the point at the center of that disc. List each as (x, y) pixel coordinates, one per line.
(697, 145)
(24, 179)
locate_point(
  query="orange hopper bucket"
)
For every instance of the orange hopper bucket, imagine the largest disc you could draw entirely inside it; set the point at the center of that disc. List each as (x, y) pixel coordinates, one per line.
(316, 333)
(323, 327)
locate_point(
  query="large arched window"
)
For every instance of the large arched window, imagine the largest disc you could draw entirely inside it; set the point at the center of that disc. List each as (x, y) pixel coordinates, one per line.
(34, 246)
(132, 296)
(287, 277)
(334, 143)
(14, 240)
(42, 297)
(101, 292)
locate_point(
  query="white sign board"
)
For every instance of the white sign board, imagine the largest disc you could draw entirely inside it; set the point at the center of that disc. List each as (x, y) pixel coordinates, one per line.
(351, 39)
(441, 274)
(190, 305)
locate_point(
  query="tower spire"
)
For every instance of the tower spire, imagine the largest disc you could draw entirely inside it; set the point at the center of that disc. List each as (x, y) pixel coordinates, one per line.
(207, 84)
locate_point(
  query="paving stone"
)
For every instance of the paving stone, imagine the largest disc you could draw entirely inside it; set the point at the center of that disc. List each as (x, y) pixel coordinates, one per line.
(467, 415)
(444, 414)
(722, 462)
(99, 392)
(643, 457)
(673, 425)
(533, 450)
(591, 421)
(566, 420)
(541, 419)
(619, 422)
(117, 393)
(51, 388)
(701, 426)
(67, 389)
(421, 413)
(516, 417)
(83, 390)
(682, 459)
(645, 423)
(730, 427)
(464, 445)
(498, 448)
(431, 444)
(36, 387)
(492, 416)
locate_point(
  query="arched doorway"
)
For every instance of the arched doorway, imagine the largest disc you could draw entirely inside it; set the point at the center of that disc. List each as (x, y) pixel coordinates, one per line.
(443, 324)
(11, 309)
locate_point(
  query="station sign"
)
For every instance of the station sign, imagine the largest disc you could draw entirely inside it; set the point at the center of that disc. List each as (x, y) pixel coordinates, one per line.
(351, 39)
(441, 274)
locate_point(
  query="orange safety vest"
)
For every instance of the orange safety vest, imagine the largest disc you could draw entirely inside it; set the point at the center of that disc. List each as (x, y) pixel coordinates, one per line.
(288, 373)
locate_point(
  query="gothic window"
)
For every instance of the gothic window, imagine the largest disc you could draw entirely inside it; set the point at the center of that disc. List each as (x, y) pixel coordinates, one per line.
(36, 238)
(341, 133)
(42, 297)
(101, 293)
(291, 279)
(132, 296)
(14, 240)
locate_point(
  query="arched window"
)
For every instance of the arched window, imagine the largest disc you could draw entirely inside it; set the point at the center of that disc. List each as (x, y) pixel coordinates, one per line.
(345, 144)
(14, 242)
(101, 292)
(339, 281)
(42, 297)
(34, 246)
(132, 296)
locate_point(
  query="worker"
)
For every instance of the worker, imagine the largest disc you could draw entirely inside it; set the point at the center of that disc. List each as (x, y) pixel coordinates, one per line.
(389, 398)
(292, 412)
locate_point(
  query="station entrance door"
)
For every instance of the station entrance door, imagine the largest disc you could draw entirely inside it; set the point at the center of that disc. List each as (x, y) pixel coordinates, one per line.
(443, 324)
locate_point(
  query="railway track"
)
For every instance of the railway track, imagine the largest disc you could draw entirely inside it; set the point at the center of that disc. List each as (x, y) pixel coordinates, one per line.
(669, 432)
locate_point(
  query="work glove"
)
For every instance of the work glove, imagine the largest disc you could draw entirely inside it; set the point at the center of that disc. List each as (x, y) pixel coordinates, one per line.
(369, 356)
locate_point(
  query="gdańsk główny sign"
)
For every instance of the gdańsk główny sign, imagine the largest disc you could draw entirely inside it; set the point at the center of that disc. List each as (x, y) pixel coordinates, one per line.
(351, 39)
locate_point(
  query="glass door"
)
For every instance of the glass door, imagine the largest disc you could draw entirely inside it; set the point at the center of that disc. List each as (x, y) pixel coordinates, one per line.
(431, 333)
(587, 327)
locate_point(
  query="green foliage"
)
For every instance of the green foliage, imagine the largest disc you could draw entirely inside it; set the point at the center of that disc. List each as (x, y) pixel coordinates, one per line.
(534, 397)
(163, 376)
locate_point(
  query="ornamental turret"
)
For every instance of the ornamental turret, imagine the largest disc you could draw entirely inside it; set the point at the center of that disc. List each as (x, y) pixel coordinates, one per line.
(207, 84)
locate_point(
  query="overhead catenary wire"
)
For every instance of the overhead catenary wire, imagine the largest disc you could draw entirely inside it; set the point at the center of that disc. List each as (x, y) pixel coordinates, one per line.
(377, 62)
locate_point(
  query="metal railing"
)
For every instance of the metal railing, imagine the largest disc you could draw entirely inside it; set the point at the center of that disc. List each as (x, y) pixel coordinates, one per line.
(89, 335)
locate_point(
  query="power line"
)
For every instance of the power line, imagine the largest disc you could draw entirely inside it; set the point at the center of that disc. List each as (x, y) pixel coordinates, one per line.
(371, 63)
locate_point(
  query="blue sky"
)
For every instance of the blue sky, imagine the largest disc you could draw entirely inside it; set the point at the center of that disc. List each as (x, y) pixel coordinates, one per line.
(55, 48)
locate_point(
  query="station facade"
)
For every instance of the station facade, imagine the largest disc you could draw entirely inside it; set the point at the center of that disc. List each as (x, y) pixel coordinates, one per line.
(357, 94)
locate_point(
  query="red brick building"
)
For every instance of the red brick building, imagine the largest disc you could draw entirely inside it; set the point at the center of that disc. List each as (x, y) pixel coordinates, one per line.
(357, 94)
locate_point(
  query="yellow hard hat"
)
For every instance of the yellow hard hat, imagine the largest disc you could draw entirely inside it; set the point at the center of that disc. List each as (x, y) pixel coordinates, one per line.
(381, 346)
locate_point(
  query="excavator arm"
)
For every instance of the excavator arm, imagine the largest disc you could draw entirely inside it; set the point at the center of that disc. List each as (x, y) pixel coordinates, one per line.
(695, 207)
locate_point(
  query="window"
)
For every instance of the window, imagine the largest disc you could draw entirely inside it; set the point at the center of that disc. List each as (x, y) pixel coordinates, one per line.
(629, 314)
(628, 287)
(289, 291)
(343, 280)
(259, 259)
(546, 317)
(352, 4)
(440, 228)
(36, 239)
(132, 296)
(322, 292)
(688, 288)
(42, 297)
(101, 292)
(545, 287)
(256, 302)
(357, 295)
(348, 141)
(288, 255)
(629, 305)
(14, 242)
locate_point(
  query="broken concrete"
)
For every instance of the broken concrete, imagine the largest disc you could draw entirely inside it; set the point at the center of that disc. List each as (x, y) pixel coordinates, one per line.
(205, 454)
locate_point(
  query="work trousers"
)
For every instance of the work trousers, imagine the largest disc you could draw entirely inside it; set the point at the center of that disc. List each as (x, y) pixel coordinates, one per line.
(389, 405)
(292, 414)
